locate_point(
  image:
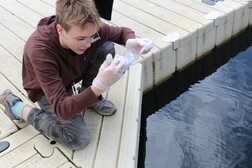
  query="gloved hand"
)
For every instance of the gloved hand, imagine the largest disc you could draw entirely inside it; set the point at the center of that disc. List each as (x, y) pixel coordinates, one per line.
(110, 72)
(139, 46)
(134, 48)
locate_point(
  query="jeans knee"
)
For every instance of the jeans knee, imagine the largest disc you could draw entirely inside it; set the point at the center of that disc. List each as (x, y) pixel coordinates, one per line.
(79, 142)
(109, 48)
(84, 142)
(106, 48)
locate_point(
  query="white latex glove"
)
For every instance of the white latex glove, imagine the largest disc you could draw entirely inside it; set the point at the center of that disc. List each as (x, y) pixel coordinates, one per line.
(110, 72)
(134, 48)
(139, 46)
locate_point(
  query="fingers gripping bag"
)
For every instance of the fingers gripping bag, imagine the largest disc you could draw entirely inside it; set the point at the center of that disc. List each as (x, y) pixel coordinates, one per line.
(135, 48)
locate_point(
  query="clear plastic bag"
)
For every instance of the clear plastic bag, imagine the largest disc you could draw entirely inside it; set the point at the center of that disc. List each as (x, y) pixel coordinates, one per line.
(129, 58)
(134, 48)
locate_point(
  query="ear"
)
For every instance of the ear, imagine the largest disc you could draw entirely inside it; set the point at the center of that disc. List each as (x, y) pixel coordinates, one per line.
(59, 29)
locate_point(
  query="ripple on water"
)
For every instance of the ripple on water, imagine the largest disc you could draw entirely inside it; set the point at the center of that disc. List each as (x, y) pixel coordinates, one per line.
(209, 126)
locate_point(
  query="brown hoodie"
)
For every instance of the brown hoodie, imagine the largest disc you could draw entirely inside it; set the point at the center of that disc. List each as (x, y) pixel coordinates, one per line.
(48, 68)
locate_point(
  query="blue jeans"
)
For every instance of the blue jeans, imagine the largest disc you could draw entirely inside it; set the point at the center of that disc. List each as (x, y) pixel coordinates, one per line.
(74, 132)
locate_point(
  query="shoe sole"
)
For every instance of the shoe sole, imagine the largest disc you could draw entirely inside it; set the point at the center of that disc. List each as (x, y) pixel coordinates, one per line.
(6, 104)
(4, 94)
(104, 114)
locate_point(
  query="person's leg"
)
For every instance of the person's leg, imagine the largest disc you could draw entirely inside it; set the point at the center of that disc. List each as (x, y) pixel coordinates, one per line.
(104, 107)
(73, 132)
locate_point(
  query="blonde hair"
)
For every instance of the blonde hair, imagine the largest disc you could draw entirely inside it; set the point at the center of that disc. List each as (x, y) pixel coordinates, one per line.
(76, 12)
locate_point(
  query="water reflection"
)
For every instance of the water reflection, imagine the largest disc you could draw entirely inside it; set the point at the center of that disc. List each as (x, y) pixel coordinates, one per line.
(209, 126)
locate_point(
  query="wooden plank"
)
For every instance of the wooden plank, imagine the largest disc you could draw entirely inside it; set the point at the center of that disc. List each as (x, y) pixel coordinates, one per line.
(183, 10)
(110, 135)
(128, 155)
(16, 25)
(103, 136)
(67, 165)
(7, 63)
(62, 147)
(46, 148)
(164, 14)
(86, 156)
(50, 2)
(56, 160)
(21, 11)
(11, 77)
(147, 19)
(7, 127)
(21, 153)
(38, 6)
(140, 30)
(11, 43)
(19, 138)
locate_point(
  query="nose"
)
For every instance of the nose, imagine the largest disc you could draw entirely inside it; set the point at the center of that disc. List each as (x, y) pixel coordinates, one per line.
(87, 45)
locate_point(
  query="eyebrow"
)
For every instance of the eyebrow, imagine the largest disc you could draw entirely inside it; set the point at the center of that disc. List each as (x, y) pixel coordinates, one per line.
(87, 36)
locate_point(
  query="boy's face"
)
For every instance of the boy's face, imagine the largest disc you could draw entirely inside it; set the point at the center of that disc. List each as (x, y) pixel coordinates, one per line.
(77, 38)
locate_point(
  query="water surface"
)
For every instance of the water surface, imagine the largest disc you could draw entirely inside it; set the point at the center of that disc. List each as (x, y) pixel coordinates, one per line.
(210, 125)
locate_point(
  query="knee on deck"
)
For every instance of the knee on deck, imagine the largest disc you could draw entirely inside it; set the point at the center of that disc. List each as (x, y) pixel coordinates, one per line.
(77, 143)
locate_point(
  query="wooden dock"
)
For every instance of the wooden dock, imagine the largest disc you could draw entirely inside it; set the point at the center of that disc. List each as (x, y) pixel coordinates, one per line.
(182, 32)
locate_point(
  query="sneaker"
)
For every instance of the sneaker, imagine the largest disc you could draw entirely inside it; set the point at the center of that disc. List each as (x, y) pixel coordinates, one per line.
(104, 107)
(8, 99)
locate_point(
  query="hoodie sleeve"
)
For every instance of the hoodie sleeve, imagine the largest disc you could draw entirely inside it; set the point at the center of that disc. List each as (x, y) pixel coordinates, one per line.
(47, 74)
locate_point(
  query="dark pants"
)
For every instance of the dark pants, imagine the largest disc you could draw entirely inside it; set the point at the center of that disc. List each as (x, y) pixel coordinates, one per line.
(94, 64)
(74, 132)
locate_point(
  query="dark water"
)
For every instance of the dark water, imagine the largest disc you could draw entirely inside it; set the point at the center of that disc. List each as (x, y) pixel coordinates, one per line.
(209, 126)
